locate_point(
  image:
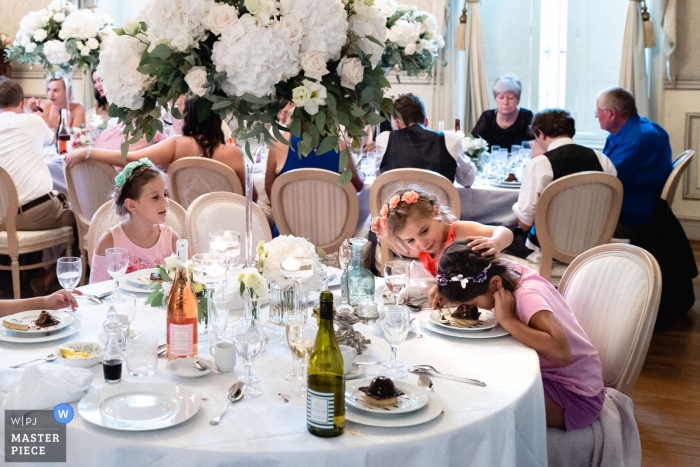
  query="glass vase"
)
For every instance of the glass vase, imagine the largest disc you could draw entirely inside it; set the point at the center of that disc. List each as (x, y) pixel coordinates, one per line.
(281, 302)
(360, 279)
(251, 150)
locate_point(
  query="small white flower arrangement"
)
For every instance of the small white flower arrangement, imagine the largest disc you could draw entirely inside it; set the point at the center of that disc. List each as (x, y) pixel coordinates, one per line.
(281, 248)
(254, 283)
(474, 148)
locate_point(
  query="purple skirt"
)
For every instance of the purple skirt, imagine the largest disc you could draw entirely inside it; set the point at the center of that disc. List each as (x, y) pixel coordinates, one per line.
(579, 411)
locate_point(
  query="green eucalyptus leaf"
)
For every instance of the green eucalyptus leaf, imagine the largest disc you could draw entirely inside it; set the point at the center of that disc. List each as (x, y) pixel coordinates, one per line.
(374, 119)
(163, 273)
(332, 104)
(221, 105)
(344, 158)
(320, 120)
(255, 99)
(327, 144)
(295, 127)
(144, 26)
(345, 177)
(357, 112)
(161, 51)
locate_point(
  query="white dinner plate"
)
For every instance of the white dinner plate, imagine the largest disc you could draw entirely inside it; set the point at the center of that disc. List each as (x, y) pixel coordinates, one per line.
(356, 372)
(414, 398)
(184, 367)
(30, 316)
(486, 321)
(139, 406)
(431, 411)
(9, 336)
(140, 279)
(504, 184)
(498, 331)
(126, 287)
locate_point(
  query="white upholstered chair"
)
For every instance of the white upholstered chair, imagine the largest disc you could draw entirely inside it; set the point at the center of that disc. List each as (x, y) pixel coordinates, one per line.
(106, 217)
(14, 243)
(574, 214)
(614, 290)
(392, 181)
(310, 203)
(679, 167)
(222, 211)
(191, 177)
(90, 184)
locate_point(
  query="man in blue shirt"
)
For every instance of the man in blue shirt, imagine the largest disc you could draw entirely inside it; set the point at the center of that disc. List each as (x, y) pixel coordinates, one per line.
(641, 153)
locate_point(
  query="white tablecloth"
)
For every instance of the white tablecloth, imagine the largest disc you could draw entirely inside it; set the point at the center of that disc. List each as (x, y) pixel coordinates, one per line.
(502, 424)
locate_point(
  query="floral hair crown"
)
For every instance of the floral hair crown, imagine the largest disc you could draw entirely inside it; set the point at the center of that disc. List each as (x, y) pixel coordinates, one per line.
(129, 169)
(481, 277)
(408, 197)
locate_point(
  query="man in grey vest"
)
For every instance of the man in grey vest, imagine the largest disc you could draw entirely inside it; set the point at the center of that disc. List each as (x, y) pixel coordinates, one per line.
(555, 155)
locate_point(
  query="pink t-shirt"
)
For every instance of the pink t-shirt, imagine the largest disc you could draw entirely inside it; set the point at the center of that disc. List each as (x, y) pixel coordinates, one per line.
(139, 258)
(584, 375)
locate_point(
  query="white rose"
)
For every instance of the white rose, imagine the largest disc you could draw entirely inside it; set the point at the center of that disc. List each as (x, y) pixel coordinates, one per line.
(386, 7)
(132, 26)
(40, 35)
(59, 17)
(29, 48)
(351, 72)
(220, 17)
(92, 43)
(290, 29)
(300, 96)
(410, 49)
(196, 78)
(171, 262)
(314, 65)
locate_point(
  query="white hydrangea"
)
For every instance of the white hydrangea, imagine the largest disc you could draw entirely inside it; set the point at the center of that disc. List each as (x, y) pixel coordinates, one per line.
(279, 249)
(56, 53)
(255, 57)
(324, 24)
(80, 25)
(385, 7)
(176, 22)
(262, 9)
(123, 83)
(34, 20)
(40, 35)
(404, 33)
(375, 26)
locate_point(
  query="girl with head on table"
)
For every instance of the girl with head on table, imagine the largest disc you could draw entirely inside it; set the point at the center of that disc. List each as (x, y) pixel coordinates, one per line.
(534, 313)
(57, 99)
(203, 138)
(142, 195)
(415, 224)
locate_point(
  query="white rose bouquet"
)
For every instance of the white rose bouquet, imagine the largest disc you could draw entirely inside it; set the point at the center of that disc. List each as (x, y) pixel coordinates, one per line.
(255, 284)
(60, 36)
(246, 60)
(161, 290)
(474, 148)
(276, 251)
(412, 41)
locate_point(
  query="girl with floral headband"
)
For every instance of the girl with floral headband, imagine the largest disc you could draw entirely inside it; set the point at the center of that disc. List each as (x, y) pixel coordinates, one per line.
(534, 313)
(415, 224)
(141, 194)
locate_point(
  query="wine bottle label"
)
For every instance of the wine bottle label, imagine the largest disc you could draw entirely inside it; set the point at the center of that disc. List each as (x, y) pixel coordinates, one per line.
(181, 339)
(320, 407)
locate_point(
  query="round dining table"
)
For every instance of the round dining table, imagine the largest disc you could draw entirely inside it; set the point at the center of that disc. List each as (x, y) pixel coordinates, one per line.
(501, 424)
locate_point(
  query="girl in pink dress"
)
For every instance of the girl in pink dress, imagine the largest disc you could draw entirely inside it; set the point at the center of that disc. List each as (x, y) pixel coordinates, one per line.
(534, 313)
(142, 194)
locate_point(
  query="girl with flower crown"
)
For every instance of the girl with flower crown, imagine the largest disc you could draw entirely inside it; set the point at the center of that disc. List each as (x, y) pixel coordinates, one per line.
(534, 313)
(415, 224)
(142, 194)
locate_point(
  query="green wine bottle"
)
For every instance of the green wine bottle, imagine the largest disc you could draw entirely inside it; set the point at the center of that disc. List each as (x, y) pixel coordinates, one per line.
(325, 398)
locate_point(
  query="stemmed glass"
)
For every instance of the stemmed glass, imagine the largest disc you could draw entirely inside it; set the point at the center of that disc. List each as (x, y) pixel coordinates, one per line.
(396, 277)
(125, 307)
(344, 258)
(218, 319)
(117, 260)
(69, 269)
(226, 246)
(302, 338)
(248, 337)
(395, 322)
(291, 320)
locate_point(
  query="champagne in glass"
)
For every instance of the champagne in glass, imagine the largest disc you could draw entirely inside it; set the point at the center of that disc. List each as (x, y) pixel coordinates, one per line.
(117, 260)
(69, 269)
(395, 322)
(396, 276)
(301, 340)
(292, 320)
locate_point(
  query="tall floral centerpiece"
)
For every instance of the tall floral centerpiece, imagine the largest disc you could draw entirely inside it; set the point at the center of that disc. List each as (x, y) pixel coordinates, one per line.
(412, 41)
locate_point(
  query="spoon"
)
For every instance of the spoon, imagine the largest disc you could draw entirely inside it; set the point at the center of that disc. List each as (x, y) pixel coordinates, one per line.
(424, 381)
(418, 369)
(49, 358)
(203, 366)
(235, 393)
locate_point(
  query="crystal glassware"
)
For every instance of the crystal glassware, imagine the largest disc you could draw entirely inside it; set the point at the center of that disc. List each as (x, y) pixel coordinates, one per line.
(117, 260)
(396, 277)
(248, 337)
(292, 320)
(218, 319)
(302, 338)
(298, 269)
(360, 280)
(207, 270)
(345, 258)
(142, 355)
(125, 307)
(395, 322)
(69, 269)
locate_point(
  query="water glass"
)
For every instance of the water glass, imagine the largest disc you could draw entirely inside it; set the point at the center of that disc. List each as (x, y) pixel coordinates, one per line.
(302, 338)
(117, 260)
(125, 306)
(208, 270)
(396, 277)
(225, 245)
(515, 149)
(142, 355)
(367, 165)
(248, 337)
(219, 316)
(395, 322)
(69, 269)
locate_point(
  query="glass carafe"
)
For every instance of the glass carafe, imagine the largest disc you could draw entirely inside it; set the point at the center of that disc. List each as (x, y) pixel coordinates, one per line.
(360, 280)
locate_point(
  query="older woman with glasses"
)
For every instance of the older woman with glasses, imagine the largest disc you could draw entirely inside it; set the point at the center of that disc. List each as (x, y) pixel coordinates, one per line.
(507, 124)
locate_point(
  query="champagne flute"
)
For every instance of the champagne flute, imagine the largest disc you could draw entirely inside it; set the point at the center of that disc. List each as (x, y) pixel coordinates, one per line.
(302, 338)
(396, 277)
(395, 322)
(69, 269)
(117, 260)
(226, 246)
(248, 337)
(292, 320)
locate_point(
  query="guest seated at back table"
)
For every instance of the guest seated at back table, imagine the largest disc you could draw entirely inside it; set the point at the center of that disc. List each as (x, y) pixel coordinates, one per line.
(199, 139)
(507, 124)
(101, 108)
(556, 156)
(413, 145)
(56, 99)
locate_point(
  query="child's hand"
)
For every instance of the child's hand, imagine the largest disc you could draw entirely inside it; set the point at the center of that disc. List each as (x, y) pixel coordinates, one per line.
(435, 299)
(485, 245)
(505, 305)
(61, 299)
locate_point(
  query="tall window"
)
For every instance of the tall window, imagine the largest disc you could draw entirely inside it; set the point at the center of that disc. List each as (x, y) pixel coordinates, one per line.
(552, 85)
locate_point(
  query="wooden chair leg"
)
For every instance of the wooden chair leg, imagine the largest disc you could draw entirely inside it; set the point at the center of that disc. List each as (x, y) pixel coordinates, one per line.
(15, 278)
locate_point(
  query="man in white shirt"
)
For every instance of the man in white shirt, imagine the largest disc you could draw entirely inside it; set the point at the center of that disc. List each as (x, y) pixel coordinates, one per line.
(22, 140)
(412, 145)
(555, 155)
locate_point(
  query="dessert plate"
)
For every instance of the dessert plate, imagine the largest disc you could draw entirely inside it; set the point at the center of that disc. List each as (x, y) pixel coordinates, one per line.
(431, 411)
(487, 320)
(184, 367)
(414, 398)
(8, 335)
(454, 332)
(504, 184)
(140, 279)
(356, 372)
(139, 406)
(29, 317)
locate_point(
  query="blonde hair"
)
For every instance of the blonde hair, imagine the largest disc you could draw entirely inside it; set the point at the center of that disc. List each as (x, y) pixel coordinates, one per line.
(397, 217)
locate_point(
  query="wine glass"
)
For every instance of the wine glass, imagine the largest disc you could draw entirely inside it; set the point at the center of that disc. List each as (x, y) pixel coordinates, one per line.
(226, 246)
(395, 322)
(344, 258)
(117, 260)
(302, 338)
(69, 269)
(396, 276)
(219, 316)
(291, 320)
(248, 337)
(125, 306)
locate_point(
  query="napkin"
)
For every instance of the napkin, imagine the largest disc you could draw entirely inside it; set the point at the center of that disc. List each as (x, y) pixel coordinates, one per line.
(418, 288)
(43, 388)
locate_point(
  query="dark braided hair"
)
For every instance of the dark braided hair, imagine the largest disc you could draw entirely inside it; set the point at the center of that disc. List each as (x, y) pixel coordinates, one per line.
(459, 258)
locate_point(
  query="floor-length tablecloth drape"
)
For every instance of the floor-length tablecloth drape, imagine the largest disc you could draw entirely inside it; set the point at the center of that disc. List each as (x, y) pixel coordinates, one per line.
(633, 70)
